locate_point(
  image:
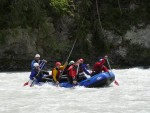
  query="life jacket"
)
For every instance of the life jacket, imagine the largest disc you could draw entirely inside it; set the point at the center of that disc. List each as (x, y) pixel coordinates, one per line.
(58, 73)
(72, 71)
(98, 65)
(38, 75)
(99, 68)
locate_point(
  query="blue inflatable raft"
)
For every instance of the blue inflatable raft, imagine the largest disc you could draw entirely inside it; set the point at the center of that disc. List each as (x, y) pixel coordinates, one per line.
(99, 80)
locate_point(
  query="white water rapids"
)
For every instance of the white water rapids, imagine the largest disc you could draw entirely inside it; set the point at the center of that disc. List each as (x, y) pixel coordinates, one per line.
(132, 96)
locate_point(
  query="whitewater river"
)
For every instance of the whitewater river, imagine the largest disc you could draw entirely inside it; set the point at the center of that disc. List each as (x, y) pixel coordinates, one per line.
(132, 96)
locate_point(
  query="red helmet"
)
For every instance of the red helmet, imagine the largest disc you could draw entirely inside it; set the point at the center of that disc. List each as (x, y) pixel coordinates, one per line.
(57, 64)
(81, 60)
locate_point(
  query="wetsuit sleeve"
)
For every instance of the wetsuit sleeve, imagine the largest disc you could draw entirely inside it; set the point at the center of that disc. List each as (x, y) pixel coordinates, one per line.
(102, 62)
(61, 67)
(104, 68)
(86, 71)
(64, 66)
(54, 74)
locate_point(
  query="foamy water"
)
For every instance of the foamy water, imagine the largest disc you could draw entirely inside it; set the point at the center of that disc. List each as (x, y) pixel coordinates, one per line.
(132, 96)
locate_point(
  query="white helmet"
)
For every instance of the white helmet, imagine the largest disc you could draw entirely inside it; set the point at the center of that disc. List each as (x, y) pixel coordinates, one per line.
(35, 64)
(71, 62)
(100, 59)
(37, 55)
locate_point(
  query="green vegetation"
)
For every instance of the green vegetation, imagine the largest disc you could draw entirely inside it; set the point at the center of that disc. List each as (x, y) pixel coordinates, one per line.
(62, 7)
(21, 13)
(33, 13)
(3, 36)
(45, 18)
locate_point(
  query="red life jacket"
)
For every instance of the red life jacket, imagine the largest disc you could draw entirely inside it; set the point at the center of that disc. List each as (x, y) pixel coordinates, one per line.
(99, 67)
(72, 71)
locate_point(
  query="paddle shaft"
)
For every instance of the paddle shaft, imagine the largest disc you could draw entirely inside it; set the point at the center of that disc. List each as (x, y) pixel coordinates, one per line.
(68, 57)
(108, 64)
(77, 70)
(71, 50)
(111, 71)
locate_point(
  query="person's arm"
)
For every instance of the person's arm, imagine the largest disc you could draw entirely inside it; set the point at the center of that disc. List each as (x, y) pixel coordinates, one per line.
(32, 67)
(64, 66)
(102, 62)
(104, 68)
(86, 71)
(61, 67)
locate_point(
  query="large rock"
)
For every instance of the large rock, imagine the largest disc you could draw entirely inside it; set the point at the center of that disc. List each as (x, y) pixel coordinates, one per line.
(139, 36)
(18, 43)
(133, 48)
(63, 27)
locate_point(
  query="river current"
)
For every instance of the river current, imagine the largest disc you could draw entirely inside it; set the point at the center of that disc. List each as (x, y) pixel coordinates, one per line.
(132, 96)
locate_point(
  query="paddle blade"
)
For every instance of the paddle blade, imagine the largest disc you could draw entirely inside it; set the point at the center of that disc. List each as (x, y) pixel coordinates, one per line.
(26, 83)
(31, 85)
(116, 83)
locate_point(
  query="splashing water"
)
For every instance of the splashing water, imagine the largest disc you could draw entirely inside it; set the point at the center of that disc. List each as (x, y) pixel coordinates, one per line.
(132, 96)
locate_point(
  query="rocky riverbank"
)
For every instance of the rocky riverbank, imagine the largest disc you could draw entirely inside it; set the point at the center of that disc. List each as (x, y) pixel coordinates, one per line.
(20, 46)
(50, 28)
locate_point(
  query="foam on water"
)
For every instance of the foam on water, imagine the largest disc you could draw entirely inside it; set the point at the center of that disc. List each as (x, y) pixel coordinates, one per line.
(132, 96)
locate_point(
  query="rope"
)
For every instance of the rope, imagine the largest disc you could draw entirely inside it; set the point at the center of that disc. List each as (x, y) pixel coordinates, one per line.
(71, 50)
(100, 23)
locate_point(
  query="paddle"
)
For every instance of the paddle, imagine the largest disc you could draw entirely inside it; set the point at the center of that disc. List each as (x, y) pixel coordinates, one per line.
(66, 62)
(26, 83)
(111, 71)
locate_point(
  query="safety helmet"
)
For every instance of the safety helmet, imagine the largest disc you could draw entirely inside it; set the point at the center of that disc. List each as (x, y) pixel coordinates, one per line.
(81, 60)
(71, 62)
(37, 56)
(35, 64)
(57, 64)
(100, 59)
